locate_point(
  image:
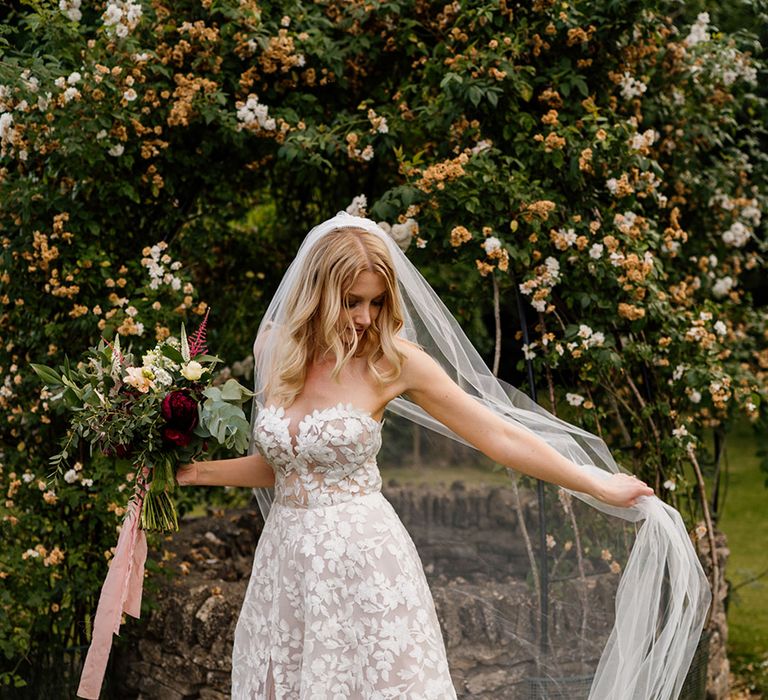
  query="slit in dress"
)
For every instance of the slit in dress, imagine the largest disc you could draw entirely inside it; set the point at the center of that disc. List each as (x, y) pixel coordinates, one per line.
(270, 683)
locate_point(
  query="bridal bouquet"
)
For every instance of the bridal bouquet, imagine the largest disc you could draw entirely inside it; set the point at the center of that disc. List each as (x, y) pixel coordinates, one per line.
(158, 413)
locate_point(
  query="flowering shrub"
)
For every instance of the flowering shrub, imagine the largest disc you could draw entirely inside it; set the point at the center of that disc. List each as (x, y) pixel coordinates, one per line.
(598, 159)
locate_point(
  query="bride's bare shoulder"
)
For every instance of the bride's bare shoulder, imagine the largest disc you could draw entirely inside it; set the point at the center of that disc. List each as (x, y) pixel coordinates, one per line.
(415, 357)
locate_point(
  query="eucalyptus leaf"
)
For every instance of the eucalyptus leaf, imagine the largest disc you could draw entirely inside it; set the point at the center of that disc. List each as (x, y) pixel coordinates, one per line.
(234, 391)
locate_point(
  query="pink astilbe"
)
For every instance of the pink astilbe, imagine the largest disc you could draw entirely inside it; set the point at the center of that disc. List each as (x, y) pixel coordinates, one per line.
(120, 356)
(196, 341)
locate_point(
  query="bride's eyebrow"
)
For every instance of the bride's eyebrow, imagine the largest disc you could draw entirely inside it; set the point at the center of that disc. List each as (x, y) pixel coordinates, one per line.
(354, 297)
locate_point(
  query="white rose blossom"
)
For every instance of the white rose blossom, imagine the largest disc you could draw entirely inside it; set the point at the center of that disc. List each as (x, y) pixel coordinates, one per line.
(192, 371)
(402, 234)
(253, 112)
(631, 87)
(737, 235)
(723, 286)
(358, 206)
(698, 32)
(71, 9)
(491, 245)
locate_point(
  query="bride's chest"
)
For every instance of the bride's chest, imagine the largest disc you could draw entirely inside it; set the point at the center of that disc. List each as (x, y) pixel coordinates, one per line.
(340, 436)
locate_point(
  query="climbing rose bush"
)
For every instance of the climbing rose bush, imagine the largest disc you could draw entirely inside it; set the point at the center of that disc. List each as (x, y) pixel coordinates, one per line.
(599, 161)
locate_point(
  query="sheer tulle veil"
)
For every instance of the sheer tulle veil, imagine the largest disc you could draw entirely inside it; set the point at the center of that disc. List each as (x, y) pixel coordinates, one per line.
(663, 595)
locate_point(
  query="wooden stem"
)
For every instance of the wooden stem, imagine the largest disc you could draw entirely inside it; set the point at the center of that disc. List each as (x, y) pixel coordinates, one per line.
(710, 529)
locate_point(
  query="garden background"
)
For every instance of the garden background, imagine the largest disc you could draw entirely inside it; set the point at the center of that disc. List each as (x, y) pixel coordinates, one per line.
(604, 161)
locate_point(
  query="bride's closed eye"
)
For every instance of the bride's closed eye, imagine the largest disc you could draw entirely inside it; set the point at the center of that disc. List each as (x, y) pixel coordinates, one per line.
(378, 303)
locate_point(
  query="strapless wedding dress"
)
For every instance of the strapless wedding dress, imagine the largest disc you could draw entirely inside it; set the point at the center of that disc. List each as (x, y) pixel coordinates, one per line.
(337, 606)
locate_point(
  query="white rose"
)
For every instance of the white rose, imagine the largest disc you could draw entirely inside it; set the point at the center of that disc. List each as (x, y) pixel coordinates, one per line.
(491, 245)
(403, 233)
(192, 371)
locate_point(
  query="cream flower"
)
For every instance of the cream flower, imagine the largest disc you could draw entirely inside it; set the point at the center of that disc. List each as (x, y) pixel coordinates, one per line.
(192, 371)
(138, 379)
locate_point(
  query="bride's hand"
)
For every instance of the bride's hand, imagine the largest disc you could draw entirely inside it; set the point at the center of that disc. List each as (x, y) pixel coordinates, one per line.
(622, 490)
(186, 475)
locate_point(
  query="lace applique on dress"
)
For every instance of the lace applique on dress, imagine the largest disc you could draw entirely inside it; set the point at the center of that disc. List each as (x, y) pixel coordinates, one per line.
(331, 458)
(338, 605)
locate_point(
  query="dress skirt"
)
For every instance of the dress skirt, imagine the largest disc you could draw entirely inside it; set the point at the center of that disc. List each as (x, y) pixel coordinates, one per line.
(338, 607)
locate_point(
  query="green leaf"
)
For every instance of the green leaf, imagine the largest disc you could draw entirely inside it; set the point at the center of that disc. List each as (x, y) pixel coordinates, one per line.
(234, 391)
(171, 353)
(50, 376)
(184, 344)
(208, 358)
(213, 393)
(581, 86)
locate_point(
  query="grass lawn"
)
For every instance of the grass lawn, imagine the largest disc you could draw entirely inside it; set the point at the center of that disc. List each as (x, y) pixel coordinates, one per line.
(745, 522)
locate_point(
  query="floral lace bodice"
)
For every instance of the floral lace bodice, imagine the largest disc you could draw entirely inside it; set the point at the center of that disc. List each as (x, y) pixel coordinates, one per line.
(330, 459)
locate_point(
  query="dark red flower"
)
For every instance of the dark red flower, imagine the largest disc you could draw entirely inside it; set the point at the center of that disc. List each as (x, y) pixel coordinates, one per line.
(123, 451)
(177, 437)
(180, 410)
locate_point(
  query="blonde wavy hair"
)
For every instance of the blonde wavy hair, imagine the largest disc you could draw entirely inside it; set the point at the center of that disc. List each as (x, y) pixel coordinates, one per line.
(318, 323)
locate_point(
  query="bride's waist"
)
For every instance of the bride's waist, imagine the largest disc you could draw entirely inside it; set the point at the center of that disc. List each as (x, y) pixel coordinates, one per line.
(296, 492)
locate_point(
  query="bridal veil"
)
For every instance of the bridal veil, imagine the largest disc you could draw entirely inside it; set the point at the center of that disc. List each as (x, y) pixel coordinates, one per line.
(611, 598)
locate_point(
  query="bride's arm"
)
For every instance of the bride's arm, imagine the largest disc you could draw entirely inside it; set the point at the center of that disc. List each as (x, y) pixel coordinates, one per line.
(430, 387)
(251, 471)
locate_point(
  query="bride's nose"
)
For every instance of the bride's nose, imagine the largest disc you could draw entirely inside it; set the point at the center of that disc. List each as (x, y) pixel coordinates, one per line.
(362, 316)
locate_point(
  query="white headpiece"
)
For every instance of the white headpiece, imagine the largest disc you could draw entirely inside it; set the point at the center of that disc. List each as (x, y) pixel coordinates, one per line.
(663, 596)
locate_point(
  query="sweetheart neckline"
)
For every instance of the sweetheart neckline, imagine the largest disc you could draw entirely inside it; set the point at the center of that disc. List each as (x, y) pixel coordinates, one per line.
(293, 440)
(319, 411)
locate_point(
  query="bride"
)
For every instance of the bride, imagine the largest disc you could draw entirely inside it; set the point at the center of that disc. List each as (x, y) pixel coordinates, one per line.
(338, 604)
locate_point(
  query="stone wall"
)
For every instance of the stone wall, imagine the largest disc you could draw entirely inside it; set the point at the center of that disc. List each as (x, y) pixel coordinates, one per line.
(181, 649)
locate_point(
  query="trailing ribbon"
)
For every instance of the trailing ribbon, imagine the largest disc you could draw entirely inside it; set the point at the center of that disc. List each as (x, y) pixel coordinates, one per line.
(120, 593)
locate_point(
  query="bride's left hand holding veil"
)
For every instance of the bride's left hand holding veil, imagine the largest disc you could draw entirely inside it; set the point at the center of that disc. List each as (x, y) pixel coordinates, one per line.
(515, 447)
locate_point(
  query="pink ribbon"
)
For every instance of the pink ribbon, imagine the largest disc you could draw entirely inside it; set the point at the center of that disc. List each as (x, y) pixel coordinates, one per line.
(120, 593)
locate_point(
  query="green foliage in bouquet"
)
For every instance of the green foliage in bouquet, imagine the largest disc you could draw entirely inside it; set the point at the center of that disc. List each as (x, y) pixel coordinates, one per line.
(222, 417)
(151, 413)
